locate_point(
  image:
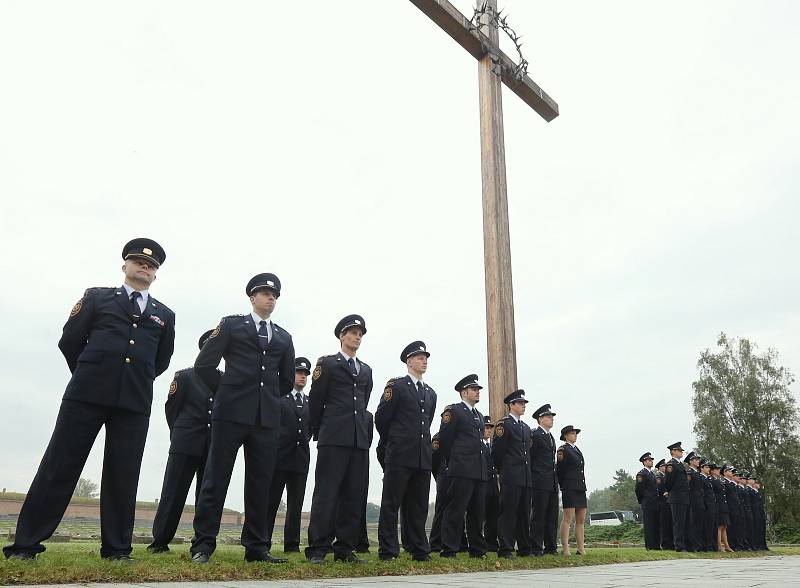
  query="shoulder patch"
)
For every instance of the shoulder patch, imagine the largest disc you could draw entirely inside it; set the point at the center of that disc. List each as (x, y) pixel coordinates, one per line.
(447, 415)
(499, 430)
(560, 454)
(669, 468)
(173, 387)
(317, 372)
(387, 393)
(215, 332)
(76, 309)
(435, 445)
(639, 478)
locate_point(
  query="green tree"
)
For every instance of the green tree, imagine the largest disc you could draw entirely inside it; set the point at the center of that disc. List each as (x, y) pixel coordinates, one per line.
(621, 495)
(746, 415)
(86, 489)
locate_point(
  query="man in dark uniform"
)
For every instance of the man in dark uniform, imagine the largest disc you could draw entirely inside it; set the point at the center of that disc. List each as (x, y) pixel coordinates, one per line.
(734, 508)
(761, 531)
(676, 484)
(710, 501)
(342, 425)
(492, 490)
(461, 444)
(647, 495)
(259, 370)
(188, 409)
(744, 500)
(544, 527)
(697, 505)
(403, 420)
(664, 513)
(291, 469)
(442, 480)
(510, 448)
(116, 342)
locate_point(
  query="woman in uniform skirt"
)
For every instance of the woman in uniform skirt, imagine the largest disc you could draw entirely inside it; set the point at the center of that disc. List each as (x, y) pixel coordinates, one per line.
(569, 467)
(723, 517)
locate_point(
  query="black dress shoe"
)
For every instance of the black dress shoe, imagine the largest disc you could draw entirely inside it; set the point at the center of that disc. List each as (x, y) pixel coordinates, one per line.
(153, 548)
(264, 556)
(423, 557)
(316, 559)
(350, 558)
(23, 555)
(121, 557)
(200, 558)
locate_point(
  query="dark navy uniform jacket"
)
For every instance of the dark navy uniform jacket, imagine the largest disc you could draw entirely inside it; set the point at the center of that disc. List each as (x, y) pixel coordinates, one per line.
(708, 493)
(511, 443)
(250, 390)
(188, 410)
(338, 403)
(647, 488)
(113, 356)
(731, 497)
(696, 493)
(718, 484)
(676, 482)
(295, 433)
(404, 423)
(438, 464)
(661, 489)
(492, 488)
(461, 443)
(569, 468)
(543, 460)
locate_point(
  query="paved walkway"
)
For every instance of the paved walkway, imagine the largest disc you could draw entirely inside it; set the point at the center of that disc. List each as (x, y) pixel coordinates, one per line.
(762, 572)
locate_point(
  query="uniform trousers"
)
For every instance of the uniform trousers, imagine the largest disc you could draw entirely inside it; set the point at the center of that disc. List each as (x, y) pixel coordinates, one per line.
(748, 528)
(409, 489)
(76, 429)
(337, 508)
(696, 531)
(295, 485)
(260, 450)
(362, 545)
(680, 516)
(490, 534)
(665, 526)
(465, 497)
(404, 542)
(710, 525)
(513, 519)
(734, 528)
(544, 527)
(652, 538)
(180, 471)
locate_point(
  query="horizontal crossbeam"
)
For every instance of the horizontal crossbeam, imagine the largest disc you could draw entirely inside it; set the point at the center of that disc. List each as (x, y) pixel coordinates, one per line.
(455, 24)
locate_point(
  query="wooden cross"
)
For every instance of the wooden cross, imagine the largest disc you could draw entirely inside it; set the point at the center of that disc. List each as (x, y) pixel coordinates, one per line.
(494, 67)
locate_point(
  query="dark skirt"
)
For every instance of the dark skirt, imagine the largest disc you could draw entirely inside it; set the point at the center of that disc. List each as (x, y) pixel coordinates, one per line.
(723, 519)
(573, 498)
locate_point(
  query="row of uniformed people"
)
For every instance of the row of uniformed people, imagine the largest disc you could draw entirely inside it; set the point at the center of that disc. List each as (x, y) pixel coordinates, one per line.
(691, 504)
(118, 340)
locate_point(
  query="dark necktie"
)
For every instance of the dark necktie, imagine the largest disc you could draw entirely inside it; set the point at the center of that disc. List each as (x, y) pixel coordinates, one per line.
(475, 414)
(299, 400)
(263, 335)
(420, 392)
(135, 310)
(352, 363)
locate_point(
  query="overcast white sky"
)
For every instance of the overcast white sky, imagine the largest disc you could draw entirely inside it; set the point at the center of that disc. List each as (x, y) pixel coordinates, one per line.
(336, 144)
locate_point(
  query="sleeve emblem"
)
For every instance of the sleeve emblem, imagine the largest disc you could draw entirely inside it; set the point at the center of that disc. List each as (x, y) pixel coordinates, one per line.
(669, 468)
(317, 373)
(435, 445)
(560, 454)
(215, 332)
(387, 394)
(446, 416)
(639, 478)
(173, 387)
(499, 430)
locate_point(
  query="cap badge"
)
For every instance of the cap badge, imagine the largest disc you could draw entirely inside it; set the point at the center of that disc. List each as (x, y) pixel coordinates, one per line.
(147, 251)
(270, 283)
(358, 322)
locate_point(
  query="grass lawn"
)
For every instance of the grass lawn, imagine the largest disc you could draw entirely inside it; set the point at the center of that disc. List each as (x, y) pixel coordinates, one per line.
(80, 562)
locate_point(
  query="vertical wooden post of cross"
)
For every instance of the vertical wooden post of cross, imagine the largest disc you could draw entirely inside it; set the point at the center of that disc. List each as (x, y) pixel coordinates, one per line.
(500, 341)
